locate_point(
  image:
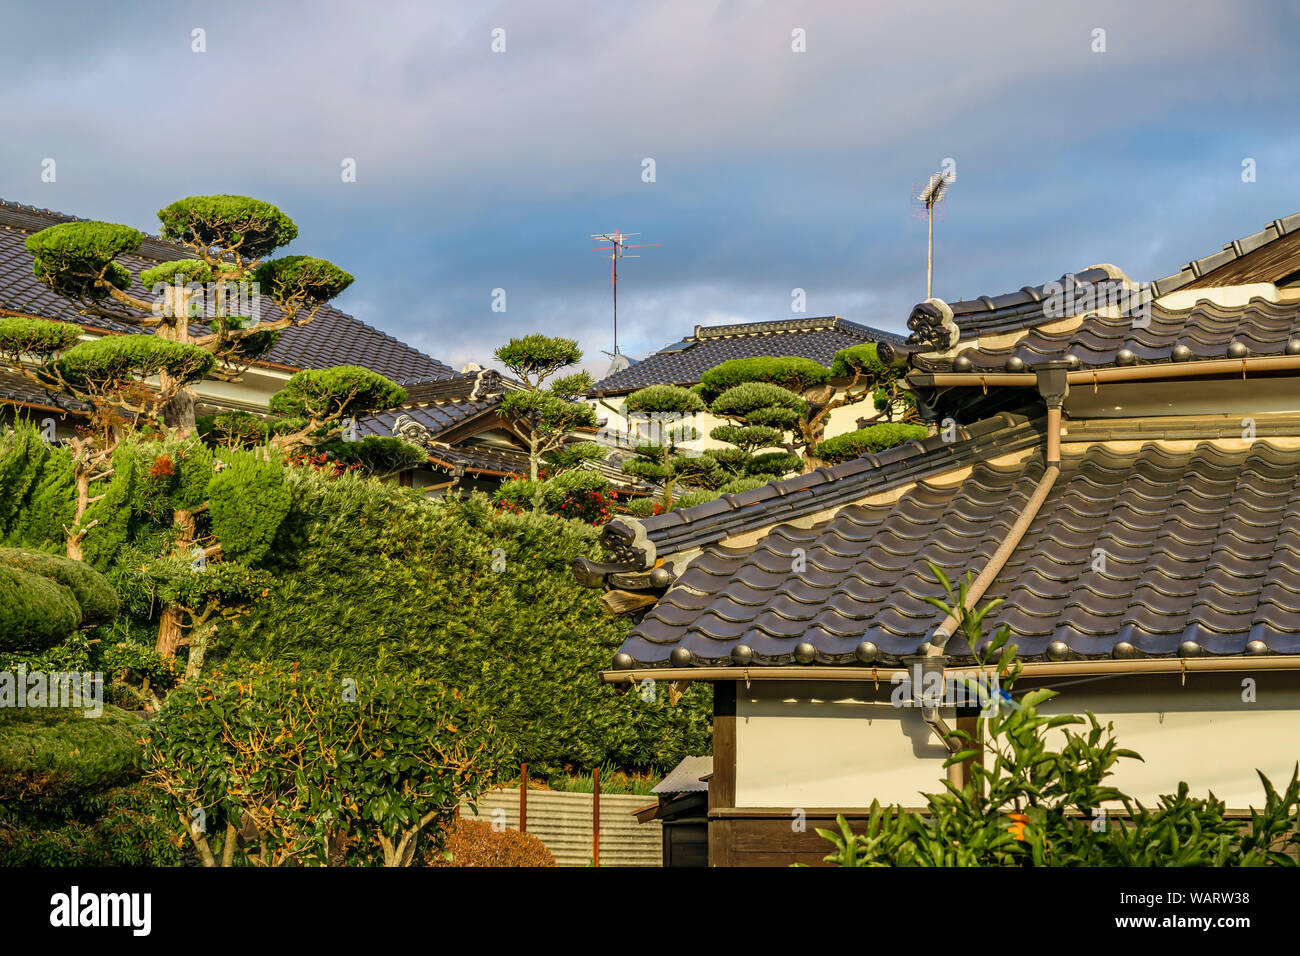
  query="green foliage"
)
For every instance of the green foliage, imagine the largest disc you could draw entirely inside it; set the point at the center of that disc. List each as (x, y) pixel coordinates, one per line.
(377, 456)
(866, 441)
(318, 762)
(224, 223)
(748, 438)
(546, 413)
(70, 257)
(94, 596)
(23, 336)
(115, 361)
(37, 492)
(372, 579)
(328, 395)
(573, 455)
(56, 753)
(233, 429)
(665, 398)
(791, 373)
(114, 828)
(861, 360)
(247, 500)
(537, 356)
(301, 281)
(166, 273)
(35, 612)
(773, 464)
(579, 494)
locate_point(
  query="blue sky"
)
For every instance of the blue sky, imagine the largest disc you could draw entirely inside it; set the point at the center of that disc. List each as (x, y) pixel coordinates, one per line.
(774, 169)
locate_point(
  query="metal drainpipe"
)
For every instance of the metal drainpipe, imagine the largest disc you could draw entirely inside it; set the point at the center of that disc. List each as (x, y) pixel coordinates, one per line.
(1054, 387)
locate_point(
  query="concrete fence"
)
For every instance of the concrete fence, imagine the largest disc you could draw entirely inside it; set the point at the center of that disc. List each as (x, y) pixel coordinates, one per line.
(563, 821)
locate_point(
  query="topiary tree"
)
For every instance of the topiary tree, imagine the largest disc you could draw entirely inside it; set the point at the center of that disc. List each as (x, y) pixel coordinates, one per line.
(544, 417)
(785, 403)
(229, 238)
(665, 409)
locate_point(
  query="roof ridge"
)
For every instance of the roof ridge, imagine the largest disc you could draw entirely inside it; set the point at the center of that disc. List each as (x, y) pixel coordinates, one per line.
(158, 246)
(1236, 249)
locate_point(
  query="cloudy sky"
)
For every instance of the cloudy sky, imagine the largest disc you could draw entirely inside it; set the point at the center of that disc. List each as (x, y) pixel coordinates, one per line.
(1106, 132)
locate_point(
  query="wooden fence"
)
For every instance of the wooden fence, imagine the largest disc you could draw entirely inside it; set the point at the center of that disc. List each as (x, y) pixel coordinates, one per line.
(563, 821)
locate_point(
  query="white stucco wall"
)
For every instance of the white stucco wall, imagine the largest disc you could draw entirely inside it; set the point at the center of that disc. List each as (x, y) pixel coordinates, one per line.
(820, 744)
(823, 744)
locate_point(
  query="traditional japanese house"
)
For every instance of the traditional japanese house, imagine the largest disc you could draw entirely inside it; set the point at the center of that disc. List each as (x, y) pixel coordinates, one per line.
(1118, 462)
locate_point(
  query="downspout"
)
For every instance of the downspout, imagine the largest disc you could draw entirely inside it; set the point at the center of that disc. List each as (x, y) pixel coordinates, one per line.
(1053, 385)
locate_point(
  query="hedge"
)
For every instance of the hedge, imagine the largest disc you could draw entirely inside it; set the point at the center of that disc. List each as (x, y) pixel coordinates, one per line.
(371, 578)
(56, 754)
(867, 440)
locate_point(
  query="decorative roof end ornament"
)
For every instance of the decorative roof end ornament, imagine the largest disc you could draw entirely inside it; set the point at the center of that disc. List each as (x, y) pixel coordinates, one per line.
(932, 326)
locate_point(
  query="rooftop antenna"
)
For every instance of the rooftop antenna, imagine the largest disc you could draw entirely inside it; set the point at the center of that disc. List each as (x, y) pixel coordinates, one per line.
(930, 196)
(618, 247)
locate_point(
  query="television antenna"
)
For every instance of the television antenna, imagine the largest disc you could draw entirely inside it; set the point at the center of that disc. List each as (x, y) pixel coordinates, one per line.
(617, 249)
(931, 195)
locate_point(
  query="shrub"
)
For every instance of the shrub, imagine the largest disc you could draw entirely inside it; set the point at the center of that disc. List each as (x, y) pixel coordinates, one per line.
(321, 766)
(475, 843)
(866, 441)
(1032, 802)
(50, 754)
(579, 494)
(115, 828)
(253, 227)
(94, 596)
(789, 372)
(37, 491)
(35, 612)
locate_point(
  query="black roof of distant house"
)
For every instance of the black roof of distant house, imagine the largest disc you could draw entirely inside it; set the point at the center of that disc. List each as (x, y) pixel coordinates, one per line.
(331, 338)
(682, 363)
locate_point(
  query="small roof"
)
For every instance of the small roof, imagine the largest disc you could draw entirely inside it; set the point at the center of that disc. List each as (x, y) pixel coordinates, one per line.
(685, 777)
(682, 363)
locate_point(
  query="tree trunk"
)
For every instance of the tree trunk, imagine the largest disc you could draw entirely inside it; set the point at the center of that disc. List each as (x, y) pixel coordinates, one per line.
(78, 534)
(170, 633)
(178, 413)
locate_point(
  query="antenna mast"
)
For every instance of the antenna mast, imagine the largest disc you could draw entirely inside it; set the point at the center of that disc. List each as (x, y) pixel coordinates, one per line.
(618, 247)
(931, 195)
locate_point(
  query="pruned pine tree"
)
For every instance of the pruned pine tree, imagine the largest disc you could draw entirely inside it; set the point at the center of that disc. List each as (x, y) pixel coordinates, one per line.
(229, 238)
(544, 416)
(660, 418)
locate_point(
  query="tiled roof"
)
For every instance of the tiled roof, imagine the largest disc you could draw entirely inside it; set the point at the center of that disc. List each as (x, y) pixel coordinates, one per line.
(684, 362)
(20, 390)
(331, 338)
(1204, 331)
(437, 418)
(1018, 310)
(1201, 543)
(830, 486)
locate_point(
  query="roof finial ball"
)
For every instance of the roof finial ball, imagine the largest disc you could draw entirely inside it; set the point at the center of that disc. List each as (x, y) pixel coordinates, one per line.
(680, 657)
(1256, 647)
(1125, 651)
(742, 654)
(1189, 649)
(866, 652)
(623, 662)
(1058, 650)
(804, 652)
